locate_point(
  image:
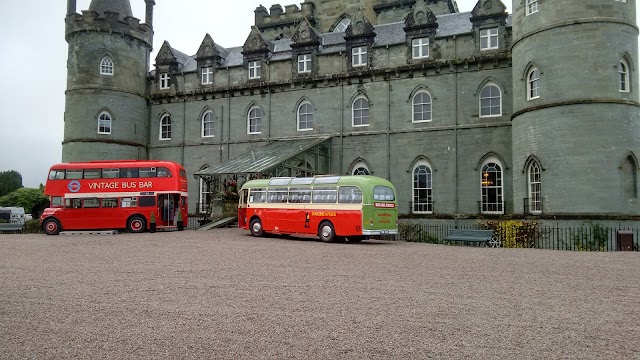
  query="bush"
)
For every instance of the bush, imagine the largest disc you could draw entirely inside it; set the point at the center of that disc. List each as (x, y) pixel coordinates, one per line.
(31, 227)
(514, 234)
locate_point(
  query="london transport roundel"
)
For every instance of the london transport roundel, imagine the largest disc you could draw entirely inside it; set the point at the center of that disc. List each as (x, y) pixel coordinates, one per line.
(74, 186)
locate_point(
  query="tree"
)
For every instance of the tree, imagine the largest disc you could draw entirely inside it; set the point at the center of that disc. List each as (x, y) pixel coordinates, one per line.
(29, 199)
(9, 181)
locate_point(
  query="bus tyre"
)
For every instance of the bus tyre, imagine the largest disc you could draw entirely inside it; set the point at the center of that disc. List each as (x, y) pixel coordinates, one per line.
(51, 227)
(136, 224)
(326, 232)
(256, 228)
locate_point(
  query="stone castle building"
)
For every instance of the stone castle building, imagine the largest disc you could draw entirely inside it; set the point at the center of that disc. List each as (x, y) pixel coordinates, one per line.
(472, 114)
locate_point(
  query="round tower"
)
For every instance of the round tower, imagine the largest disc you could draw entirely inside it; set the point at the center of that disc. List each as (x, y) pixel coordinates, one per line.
(576, 113)
(105, 107)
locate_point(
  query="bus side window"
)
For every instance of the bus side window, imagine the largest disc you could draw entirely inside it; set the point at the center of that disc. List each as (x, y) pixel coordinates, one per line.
(56, 175)
(72, 203)
(163, 172)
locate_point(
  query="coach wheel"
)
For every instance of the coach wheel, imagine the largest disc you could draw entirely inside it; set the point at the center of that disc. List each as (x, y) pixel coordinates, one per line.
(136, 224)
(256, 227)
(494, 242)
(51, 227)
(326, 232)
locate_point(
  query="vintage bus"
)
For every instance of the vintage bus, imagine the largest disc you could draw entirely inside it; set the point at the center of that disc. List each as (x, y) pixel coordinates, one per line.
(115, 195)
(351, 208)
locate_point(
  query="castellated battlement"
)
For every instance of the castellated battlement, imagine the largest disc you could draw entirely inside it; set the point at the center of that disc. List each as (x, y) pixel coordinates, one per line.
(276, 17)
(111, 22)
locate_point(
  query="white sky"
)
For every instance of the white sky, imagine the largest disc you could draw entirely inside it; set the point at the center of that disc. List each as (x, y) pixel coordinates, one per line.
(34, 55)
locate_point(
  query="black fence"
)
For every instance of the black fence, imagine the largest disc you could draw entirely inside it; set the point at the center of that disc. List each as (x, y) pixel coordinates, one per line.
(589, 237)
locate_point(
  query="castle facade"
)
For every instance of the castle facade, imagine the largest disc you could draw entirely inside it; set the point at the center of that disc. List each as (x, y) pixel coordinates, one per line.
(474, 114)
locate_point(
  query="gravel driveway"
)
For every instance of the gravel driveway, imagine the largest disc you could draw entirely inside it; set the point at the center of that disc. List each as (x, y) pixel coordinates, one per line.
(223, 294)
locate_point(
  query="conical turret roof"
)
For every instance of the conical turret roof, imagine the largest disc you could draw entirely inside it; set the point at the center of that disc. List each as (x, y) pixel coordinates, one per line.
(122, 7)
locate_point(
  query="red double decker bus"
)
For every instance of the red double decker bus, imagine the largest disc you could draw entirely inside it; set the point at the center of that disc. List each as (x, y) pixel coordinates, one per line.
(123, 194)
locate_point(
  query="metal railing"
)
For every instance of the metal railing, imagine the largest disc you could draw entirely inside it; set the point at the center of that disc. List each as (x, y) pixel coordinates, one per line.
(589, 237)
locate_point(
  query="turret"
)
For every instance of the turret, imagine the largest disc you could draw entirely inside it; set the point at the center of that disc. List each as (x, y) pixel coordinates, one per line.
(107, 68)
(576, 117)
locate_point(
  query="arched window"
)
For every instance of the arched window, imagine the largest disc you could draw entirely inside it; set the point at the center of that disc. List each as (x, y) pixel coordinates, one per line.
(360, 168)
(360, 113)
(106, 66)
(254, 121)
(305, 116)
(535, 188)
(165, 128)
(208, 122)
(630, 178)
(533, 80)
(422, 107)
(422, 188)
(491, 184)
(104, 123)
(204, 197)
(623, 71)
(490, 101)
(342, 25)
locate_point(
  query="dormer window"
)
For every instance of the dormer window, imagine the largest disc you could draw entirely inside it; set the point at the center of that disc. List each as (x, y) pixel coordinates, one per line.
(207, 76)
(304, 63)
(420, 48)
(254, 70)
(106, 66)
(164, 81)
(359, 56)
(489, 39)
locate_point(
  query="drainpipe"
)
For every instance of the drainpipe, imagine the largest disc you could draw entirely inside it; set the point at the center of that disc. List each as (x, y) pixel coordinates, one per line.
(455, 131)
(341, 117)
(221, 133)
(228, 111)
(389, 129)
(184, 124)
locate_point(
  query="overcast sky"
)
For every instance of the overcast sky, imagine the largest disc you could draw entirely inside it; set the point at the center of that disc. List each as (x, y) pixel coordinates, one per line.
(34, 65)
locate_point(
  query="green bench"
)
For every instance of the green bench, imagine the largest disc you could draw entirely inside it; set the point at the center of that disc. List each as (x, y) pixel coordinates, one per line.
(485, 237)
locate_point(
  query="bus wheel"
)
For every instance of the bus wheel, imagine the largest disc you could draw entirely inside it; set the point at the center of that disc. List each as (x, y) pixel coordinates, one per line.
(326, 232)
(256, 228)
(51, 227)
(136, 224)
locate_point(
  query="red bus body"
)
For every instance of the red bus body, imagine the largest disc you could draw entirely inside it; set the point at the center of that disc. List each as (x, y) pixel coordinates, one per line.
(115, 195)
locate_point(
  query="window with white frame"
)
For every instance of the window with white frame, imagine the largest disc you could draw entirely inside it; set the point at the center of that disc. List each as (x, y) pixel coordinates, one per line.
(104, 123)
(342, 25)
(420, 48)
(492, 201)
(360, 168)
(422, 188)
(305, 116)
(204, 199)
(254, 69)
(489, 39)
(623, 72)
(254, 121)
(535, 188)
(208, 121)
(304, 63)
(360, 112)
(207, 75)
(533, 84)
(164, 81)
(106, 66)
(532, 7)
(422, 106)
(359, 56)
(165, 128)
(490, 101)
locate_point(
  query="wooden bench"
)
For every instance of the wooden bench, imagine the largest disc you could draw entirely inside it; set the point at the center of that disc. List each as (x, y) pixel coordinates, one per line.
(473, 236)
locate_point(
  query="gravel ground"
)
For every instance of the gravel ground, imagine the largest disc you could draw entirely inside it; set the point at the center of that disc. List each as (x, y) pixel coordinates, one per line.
(223, 294)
